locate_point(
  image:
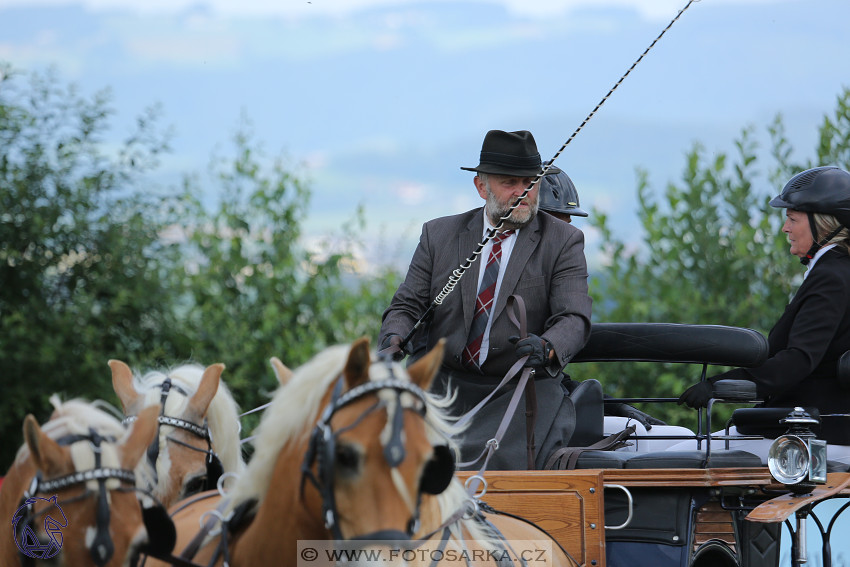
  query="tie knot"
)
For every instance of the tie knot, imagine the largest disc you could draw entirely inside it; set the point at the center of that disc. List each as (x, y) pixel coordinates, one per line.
(500, 236)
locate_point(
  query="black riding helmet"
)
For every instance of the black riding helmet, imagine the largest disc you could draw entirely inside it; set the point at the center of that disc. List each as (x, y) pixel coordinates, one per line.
(558, 194)
(824, 190)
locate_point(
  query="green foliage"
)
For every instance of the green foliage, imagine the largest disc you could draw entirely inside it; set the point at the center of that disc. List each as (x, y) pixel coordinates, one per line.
(79, 251)
(712, 253)
(94, 265)
(253, 291)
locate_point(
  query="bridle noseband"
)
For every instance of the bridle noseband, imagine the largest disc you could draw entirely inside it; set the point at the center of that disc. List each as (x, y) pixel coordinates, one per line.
(214, 466)
(322, 447)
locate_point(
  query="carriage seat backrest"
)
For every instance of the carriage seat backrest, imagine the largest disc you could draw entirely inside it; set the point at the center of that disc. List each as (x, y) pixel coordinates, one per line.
(673, 342)
(588, 403)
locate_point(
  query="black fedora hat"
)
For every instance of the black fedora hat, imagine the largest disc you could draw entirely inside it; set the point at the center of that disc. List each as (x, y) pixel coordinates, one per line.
(509, 153)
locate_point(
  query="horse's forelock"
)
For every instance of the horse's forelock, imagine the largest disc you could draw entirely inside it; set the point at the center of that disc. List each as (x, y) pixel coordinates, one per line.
(76, 417)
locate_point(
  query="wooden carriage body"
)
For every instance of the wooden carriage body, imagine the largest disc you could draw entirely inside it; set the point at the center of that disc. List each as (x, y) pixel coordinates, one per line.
(691, 509)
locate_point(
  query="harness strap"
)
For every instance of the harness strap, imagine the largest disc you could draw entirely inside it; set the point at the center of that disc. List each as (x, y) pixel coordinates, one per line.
(102, 548)
(516, 312)
(566, 458)
(517, 315)
(491, 510)
(506, 545)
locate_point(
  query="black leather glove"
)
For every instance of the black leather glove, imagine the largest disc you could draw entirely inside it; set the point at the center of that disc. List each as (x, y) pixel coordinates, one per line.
(697, 396)
(625, 410)
(536, 348)
(393, 340)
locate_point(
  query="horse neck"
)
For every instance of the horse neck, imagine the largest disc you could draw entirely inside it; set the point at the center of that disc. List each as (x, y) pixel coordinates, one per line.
(283, 516)
(15, 482)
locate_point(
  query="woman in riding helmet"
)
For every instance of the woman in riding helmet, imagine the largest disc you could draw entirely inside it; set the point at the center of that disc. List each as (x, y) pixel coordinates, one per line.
(807, 341)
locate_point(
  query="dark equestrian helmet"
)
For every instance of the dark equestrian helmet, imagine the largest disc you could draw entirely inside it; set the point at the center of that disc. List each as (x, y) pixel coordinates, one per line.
(824, 190)
(558, 194)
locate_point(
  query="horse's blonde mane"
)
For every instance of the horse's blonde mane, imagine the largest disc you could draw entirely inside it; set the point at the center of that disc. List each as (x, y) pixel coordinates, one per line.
(291, 414)
(294, 411)
(222, 414)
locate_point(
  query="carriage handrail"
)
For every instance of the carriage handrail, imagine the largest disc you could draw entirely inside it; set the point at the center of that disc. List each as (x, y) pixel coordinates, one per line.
(631, 506)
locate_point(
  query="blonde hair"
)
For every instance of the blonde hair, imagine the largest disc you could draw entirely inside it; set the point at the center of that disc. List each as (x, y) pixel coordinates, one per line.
(826, 224)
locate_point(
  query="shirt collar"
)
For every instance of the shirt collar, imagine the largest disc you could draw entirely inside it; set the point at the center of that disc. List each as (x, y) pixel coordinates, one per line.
(489, 227)
(816, 257)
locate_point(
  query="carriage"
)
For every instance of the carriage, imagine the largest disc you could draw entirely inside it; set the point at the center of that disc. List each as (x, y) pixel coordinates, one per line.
(713, 506)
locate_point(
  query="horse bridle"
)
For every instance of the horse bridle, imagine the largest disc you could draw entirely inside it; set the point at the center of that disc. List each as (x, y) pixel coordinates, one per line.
(321, 452)
(101, 548)
(214, 466)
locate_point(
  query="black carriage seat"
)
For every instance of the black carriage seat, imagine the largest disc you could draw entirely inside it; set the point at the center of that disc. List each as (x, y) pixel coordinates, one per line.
(666, 460)
(587, 400)
(835, 429)
(664, 343)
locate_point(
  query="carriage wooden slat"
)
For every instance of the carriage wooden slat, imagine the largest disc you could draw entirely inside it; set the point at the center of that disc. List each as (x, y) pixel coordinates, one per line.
(568, 506)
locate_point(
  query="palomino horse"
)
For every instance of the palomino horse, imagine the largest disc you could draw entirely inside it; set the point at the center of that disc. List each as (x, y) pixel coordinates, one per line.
(198, 436)
(455, 529)
(70, 493)
(346, 451)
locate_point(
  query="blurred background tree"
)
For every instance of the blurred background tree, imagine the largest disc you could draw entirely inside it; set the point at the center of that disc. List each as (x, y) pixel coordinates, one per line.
(97, 264)
(80, 253)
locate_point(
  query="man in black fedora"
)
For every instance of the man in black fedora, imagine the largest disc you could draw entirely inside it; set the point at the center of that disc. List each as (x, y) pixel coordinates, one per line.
(535, 256)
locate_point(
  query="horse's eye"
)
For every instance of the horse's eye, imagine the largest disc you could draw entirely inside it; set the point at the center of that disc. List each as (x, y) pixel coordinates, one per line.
(194, 485)
(347, 459)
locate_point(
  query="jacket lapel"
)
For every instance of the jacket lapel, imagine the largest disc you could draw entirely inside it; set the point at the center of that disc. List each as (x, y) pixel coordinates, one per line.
(527, 240)
(468, 242)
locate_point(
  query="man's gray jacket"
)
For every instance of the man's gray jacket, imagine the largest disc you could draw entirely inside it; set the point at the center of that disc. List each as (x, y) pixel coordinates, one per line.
(547, 268)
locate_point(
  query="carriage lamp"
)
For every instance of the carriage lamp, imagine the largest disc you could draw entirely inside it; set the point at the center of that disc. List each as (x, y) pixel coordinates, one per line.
(797, 459)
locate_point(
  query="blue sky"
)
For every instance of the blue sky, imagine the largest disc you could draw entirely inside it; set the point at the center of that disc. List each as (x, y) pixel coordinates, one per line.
(382, 101)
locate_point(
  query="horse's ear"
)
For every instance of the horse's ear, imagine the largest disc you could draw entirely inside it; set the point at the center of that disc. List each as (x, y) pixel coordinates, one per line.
(46, 453)
(200, 400)
(357, 366)
(282, 371)
(422, 371)
(141, 436)
(122, 383)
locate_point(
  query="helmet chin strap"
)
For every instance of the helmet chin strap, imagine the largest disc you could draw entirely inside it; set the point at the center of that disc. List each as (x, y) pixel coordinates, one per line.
(815, 244)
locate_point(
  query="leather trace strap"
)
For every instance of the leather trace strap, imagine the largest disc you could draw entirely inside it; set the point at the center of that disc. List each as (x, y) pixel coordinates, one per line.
(566, 458)
(516, 312)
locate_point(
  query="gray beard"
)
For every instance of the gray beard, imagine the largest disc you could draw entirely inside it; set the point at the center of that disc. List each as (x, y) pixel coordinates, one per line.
(519, 218)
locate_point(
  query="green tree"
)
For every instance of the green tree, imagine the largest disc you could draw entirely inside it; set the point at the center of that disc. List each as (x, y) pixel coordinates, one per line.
(80, 253)
(94, 265)
(712, 252)
(254, 290)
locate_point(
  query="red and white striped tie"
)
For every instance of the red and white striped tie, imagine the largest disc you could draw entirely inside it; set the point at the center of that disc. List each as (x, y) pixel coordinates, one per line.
(484, 303)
